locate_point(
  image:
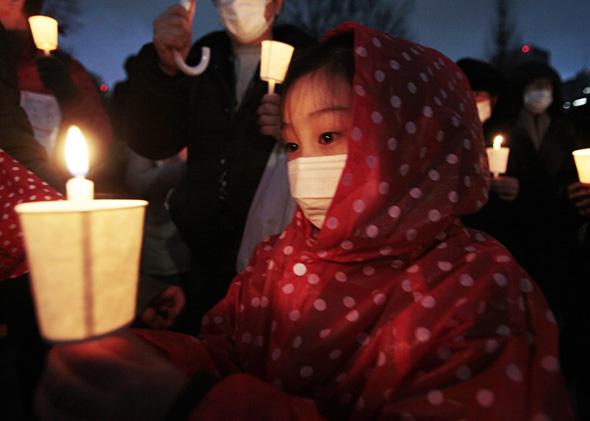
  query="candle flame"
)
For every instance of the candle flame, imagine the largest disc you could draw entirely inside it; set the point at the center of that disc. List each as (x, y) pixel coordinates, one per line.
(76, 152)
(498, 140)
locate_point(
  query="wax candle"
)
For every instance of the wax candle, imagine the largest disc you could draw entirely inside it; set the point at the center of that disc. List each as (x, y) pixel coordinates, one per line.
(78, 188)
(498, 156)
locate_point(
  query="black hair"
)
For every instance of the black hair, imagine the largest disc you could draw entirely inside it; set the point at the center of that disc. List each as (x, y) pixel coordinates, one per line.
(33, 7)
(483, 76)
(335, 57)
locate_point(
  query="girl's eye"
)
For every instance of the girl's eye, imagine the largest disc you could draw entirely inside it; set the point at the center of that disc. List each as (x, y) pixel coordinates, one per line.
(291, 147)
(327, 138)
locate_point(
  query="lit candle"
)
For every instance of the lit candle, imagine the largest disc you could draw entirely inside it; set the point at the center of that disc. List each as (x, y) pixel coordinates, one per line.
(275, 58)
(582, 159)
(78, 188)
(44, 30)
(498, 156)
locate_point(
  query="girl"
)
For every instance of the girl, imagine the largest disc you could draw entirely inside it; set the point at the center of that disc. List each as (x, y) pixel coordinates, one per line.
(375, 302)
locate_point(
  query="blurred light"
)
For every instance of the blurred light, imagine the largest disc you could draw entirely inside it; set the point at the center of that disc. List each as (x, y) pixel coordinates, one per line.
(567, 105)
(526, 49)
(104, 87)
(586, 90)
(580, 101)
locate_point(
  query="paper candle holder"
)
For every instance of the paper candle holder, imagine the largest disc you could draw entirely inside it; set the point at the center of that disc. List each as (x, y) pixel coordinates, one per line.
(582, 159)
(84, 263)
(275, 58)
(45, 34)
(498, 157)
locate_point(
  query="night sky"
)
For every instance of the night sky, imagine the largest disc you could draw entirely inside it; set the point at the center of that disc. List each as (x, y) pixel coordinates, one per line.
(111, 30)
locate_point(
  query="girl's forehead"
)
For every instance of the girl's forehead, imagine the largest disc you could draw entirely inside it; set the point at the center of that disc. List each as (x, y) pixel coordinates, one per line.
(317, 90)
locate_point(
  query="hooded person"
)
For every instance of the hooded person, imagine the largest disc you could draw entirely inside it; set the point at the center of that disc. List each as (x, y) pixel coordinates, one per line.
(487, 83)
(375, 302)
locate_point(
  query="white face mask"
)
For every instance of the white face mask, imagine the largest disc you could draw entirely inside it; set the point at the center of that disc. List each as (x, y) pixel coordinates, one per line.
(244, 19)
(484, 109)
(313, 182)
(538, 100)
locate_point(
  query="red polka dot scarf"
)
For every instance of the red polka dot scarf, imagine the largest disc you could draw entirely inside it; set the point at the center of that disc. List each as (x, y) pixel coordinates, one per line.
(396, 310)
(17, 185)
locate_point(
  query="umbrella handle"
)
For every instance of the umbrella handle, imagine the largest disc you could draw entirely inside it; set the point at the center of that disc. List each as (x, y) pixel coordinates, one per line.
(205, 54)
(196, 70)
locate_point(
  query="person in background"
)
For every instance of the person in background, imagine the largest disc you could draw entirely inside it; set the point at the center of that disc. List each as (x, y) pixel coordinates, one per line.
(487, 83)
(164, 254)
(497, 217)
(16, 136)
(56, 92)
(229, 127)
(375, 302)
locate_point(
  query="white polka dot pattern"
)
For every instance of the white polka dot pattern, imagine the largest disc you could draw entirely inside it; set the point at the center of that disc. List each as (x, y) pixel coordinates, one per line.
(393, 290)
(17, 185)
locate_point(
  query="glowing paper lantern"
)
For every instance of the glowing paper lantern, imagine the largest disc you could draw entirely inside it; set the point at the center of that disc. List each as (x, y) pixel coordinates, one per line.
(275, 58)
(44, 30)
(83, 256)
(498, 156)
(582, 159)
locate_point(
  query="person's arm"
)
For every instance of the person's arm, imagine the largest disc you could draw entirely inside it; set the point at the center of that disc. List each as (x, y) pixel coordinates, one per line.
(157, 104)
(16, 134)
(146, 179)
(493, 356)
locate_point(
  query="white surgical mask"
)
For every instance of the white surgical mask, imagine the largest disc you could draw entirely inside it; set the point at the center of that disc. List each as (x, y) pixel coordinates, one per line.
(484, 109)
(538, 100)
(244, 19)
(313, 182)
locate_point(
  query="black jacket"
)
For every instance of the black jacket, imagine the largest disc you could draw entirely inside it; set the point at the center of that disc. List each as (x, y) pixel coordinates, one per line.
(226, 152)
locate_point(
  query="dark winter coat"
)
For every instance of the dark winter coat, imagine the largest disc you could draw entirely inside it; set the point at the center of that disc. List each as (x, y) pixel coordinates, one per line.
(226, 152)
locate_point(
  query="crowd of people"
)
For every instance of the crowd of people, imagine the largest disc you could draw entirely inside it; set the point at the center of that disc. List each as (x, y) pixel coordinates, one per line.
(338, 249)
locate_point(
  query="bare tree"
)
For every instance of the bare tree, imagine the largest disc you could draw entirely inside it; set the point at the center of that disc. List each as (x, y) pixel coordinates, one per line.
(504, 34)
(66, 12)
(316, 17)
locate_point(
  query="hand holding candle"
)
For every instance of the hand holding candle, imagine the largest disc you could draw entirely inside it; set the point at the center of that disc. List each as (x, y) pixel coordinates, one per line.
(78, 188)
(498, 156)
(275, 58)
(44, 30)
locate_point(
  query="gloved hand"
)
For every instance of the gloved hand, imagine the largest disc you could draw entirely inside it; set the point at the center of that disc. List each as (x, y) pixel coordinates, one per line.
(56, 78)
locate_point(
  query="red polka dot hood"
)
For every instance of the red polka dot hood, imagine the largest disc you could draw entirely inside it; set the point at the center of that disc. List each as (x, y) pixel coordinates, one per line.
(17, 185)
(395, 310)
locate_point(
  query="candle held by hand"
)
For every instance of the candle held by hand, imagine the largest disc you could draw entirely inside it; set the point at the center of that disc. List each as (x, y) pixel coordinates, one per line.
(498, 156)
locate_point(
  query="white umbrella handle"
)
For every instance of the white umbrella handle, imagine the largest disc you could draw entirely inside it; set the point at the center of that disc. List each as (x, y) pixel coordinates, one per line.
(196, 70)
(205, 54)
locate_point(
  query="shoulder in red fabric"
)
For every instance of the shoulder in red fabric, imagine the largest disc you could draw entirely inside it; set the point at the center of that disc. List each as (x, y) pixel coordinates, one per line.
(17, 185)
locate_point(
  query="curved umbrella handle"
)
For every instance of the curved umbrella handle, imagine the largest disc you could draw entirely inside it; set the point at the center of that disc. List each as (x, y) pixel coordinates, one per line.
(205, 54)
(196, 70)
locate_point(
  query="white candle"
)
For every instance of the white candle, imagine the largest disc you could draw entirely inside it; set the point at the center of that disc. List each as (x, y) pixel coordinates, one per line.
(78, 188)
(498, 156)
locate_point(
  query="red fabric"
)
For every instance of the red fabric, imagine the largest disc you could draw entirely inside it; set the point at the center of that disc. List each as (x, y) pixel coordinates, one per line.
(86, 111)
(17, 185)
(396, 311)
